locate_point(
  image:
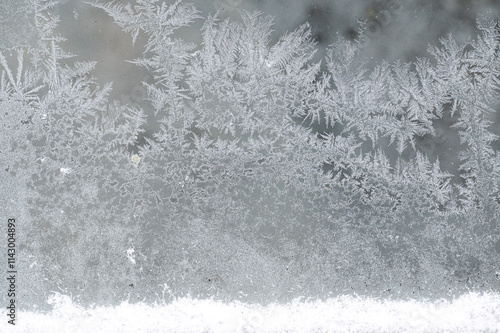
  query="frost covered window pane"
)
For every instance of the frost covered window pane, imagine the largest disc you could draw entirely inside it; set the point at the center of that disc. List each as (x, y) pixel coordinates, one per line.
(285, 155)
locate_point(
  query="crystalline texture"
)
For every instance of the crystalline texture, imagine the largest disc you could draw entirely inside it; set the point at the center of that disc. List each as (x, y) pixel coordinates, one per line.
(268, 178)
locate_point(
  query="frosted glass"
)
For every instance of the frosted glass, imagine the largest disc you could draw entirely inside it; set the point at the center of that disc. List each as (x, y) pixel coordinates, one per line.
(263, 156)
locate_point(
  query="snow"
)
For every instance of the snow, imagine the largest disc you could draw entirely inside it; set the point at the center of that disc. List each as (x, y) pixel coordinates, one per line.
(468, 313)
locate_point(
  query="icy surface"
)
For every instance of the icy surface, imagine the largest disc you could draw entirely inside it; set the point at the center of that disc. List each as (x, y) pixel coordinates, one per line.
(217, 160)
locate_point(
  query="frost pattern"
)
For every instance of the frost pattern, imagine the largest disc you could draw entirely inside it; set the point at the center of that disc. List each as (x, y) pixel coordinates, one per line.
(270, 176)
(16, 23)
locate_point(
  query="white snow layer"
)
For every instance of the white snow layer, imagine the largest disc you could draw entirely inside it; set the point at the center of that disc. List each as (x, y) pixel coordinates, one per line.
(468, 313)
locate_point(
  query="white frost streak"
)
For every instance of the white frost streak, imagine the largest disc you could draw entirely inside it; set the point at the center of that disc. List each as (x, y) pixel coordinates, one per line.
(469, 313)
(65, 171)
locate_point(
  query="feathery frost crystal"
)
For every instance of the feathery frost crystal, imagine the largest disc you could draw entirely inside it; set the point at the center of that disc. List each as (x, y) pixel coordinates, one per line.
(268, 176)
